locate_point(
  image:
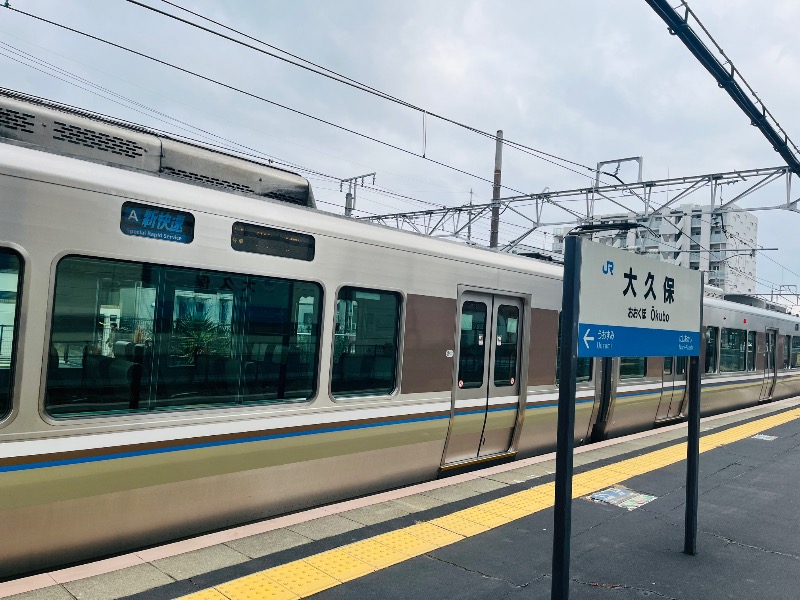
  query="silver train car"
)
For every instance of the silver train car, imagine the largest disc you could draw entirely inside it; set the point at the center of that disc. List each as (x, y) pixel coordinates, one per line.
(187, 344)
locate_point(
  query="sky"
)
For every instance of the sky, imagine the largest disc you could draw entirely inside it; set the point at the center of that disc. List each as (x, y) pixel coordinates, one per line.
(582, 80)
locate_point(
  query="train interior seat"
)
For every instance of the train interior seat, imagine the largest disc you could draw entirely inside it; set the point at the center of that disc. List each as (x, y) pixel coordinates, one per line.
(278, 370)
(223, 377)
(124, 375)
(5, 384)
(363, 373)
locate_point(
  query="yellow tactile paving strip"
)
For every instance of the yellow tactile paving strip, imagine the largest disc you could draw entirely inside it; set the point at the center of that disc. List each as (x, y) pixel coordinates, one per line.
(308, 576)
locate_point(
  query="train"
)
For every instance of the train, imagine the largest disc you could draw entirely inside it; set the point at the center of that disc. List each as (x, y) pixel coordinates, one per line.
(187, 343)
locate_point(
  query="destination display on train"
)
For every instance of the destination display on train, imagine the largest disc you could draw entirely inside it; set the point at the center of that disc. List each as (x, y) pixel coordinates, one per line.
(157, 223)
(246, 237)
(633, 305)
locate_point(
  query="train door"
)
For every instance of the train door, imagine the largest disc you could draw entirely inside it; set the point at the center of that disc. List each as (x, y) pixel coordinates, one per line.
(673, 388)
(606, 377)
(770, 365)
(667, 385)
(486, 395)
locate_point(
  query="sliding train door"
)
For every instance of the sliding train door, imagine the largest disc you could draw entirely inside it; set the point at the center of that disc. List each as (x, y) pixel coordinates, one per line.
(486, 401)
(673, 388)
(770, 365)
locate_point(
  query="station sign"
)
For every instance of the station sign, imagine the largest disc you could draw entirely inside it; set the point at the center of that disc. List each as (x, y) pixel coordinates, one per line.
(632, 305)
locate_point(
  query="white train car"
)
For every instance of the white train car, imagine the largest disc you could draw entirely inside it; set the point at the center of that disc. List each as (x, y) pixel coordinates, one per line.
(188, 344)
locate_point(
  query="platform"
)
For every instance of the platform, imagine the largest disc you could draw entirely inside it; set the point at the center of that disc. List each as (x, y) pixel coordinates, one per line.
(487, 534)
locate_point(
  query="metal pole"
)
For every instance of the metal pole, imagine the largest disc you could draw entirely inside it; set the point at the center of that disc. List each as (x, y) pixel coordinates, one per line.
(348, 204)
(693, 448)
(352, 187)
(562, 520)
(498, 167)
(469, 223)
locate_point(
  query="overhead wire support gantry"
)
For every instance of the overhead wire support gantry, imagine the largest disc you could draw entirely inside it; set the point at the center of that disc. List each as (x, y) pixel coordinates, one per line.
(716, 62)
(454, 221)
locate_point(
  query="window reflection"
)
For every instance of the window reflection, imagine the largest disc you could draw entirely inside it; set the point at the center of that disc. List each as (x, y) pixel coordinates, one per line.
(365, 342)
(9, 310)
(131, 337)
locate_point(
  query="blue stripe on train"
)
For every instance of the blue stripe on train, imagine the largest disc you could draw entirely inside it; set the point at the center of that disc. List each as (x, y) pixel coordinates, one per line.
(90, 459)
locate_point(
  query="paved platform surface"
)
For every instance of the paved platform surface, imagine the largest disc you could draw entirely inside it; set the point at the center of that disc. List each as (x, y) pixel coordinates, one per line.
(487, 534)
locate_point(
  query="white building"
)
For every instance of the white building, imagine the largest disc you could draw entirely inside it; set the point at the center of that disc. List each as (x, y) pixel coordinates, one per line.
(698, 237)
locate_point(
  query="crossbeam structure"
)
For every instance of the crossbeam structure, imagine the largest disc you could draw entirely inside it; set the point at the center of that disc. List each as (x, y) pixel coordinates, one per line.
(577, 206)
(710, 54)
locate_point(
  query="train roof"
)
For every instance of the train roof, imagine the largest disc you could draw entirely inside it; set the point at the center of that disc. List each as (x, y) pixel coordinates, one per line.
(750, 309)
(63, 129)
(133, 184)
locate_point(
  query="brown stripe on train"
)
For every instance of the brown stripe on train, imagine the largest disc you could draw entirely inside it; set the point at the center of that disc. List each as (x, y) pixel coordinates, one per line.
(544, 338)
(429, 334)
(243, 437)
(655, 368)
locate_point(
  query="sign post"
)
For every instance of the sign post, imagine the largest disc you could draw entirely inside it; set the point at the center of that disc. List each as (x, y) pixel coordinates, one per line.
(692, 452)
(616, 303)
(562, 522)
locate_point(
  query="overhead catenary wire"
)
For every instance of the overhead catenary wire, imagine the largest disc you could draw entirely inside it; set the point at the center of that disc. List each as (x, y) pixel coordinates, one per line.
(80, 82)
(745, 274)
(230, 145)
(159, 93)
(299, 112)
(166, 118)
(258, 97)
(482, 222)
(343, 79)
(748, 246)
(693, 240)
(758, 249)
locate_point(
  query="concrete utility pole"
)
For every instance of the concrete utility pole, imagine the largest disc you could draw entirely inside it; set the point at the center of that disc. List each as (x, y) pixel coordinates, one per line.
(498, 166)
(350, 197)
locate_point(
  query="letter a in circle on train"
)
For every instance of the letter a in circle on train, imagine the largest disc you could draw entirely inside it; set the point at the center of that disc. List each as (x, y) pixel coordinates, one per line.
(132, 216)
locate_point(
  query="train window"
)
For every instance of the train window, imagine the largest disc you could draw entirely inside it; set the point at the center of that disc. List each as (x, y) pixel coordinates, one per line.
(769, 351)
(732, 350)
(130, 337)
(230, 339)
(10, 284)
(583, 370)
(632, 366)
(280, 334)
(270, 241)
(584, 366)
(472, 345)
(505, 357)
(751, 350)
(680, 365)
(712, 335)
(787, 350)
(795, 352)
(366, 342)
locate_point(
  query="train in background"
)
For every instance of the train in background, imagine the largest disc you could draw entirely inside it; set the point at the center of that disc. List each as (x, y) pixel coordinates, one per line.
(188, 344)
